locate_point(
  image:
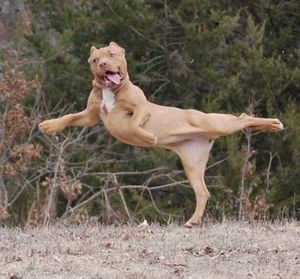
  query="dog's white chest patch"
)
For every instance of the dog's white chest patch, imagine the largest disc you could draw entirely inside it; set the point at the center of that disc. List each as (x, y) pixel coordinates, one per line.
(108, 99)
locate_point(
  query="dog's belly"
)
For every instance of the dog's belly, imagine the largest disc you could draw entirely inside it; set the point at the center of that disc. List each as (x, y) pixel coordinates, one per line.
(168, 124)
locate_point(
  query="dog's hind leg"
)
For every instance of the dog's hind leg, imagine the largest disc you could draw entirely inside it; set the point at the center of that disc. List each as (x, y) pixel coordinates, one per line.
(194, 155)
(217, 124)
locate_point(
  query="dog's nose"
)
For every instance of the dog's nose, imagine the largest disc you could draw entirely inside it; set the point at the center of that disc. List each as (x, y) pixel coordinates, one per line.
(102, 63)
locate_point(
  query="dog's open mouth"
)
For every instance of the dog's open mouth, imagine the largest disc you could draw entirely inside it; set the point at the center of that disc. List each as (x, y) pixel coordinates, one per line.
(112, 78)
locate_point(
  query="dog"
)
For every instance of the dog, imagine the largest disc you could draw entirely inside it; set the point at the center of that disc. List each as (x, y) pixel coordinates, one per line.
(132, 119)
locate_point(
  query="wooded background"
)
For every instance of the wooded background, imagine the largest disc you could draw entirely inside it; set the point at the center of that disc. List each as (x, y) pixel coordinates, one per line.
(214, 56)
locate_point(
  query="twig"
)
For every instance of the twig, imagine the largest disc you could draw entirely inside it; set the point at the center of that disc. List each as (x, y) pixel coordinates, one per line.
(124, 203)
(82, 204)
(115, 180)
(243, 174)
(268, 174)
(53, 191)
(217, 163)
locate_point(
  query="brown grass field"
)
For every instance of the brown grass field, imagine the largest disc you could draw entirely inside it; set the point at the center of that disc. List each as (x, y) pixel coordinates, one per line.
(214, 250)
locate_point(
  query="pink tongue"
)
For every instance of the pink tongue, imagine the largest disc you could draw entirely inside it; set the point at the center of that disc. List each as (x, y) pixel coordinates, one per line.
(115, 78)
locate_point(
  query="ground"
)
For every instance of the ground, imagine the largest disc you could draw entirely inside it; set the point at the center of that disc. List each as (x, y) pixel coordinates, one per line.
(214, 250)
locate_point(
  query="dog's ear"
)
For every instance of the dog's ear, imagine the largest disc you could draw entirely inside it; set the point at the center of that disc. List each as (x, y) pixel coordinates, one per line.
(113, 44)
(91, 52)
(116, 45)
(93, 48)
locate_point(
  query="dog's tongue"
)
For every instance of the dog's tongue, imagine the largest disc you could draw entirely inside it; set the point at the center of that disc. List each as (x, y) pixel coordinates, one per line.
(114, 77)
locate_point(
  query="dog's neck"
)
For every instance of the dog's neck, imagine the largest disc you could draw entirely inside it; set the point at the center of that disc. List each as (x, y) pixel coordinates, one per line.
(108, 95)
(108, 100)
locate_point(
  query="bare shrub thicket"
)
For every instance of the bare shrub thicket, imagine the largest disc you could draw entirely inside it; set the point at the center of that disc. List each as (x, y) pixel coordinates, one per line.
(17, 151)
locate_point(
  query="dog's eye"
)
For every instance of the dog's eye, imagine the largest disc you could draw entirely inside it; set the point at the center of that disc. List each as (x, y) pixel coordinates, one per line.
(112, 54)
(95, 60)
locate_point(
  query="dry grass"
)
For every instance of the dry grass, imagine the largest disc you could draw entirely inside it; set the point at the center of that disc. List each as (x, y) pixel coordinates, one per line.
(227, 250)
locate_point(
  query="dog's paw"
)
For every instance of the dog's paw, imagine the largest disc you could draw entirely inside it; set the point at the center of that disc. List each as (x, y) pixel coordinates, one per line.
(190, 224)
(278, 125)
(154, 140)
(148, 138)
(51, 126)
(275, 125)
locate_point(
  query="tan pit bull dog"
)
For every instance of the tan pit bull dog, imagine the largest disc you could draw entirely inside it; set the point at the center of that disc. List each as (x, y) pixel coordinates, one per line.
(129, 117)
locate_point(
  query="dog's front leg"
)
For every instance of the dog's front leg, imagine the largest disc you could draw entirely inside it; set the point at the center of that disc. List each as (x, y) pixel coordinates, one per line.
(82, 119)
(141, 115)
(88, 117)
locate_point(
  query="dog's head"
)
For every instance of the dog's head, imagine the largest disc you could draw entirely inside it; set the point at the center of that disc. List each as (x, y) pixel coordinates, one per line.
(108, 65)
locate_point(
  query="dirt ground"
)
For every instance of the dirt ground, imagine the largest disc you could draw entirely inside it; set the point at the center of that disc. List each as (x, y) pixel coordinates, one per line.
(215, 250)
